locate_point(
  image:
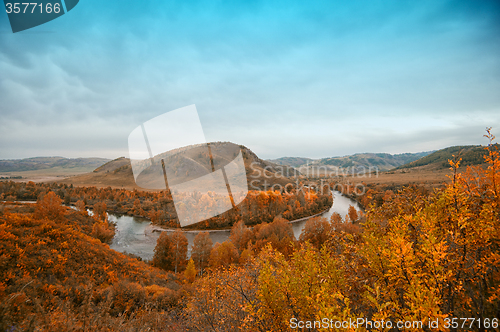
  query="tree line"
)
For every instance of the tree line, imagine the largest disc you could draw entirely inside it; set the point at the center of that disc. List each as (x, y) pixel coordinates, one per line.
(257, 207)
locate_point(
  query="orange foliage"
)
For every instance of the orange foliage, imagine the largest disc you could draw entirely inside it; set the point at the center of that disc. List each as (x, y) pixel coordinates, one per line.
(316, 231)
(256, 208)
(53, 273)
(200, 252)
(223, 255)
(50, 206)
(171, 251)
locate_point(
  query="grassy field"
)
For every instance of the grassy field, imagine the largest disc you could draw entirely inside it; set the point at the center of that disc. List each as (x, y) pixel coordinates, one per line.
(47, 175)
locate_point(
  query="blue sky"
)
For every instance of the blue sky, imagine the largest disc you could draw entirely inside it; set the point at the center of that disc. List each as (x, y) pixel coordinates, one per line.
(284, 78)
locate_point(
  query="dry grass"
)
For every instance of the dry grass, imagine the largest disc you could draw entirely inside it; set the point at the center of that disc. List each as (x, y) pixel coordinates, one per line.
(425, 176)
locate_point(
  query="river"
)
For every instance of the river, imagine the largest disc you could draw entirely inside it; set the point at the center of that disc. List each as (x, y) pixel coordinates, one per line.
(137, 236)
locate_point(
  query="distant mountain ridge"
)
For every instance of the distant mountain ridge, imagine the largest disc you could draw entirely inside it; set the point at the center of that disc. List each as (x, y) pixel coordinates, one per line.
(45, 163)
(292, 161)
(384, 161)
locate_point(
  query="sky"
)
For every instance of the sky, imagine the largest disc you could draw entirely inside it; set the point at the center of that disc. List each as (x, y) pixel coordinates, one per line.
(284, 78)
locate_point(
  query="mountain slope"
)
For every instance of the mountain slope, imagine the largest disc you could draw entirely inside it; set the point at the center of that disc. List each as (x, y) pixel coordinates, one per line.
(71, 276)
(292, 161)
(470, 154)
(190, 163)
(80, 165)
(384, 161)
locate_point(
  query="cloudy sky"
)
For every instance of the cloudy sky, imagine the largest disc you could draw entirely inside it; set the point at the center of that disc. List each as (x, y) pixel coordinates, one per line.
(284, 78)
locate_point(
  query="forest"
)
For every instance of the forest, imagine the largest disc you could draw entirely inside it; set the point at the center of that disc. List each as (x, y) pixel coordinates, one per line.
(414, 255)
(257, 207)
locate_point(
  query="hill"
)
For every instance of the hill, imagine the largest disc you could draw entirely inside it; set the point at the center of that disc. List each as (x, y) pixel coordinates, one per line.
(383, 161)
(292, 161)
(51, 165)
(189, 163)
(470, 154)
(58, 277)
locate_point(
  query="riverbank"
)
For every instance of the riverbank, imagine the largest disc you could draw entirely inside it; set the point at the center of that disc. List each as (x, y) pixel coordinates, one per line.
(156, 228)
(139, 236)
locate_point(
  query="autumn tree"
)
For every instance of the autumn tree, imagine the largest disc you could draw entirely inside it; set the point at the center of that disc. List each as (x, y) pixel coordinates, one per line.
(179, 244)
(200, 252)
(245, 256)
(279, 234)
(80, 206)
(50, 206)
(171, 251)
(241, 235)
(316, 231)
(99, 211)
(102, 228)
(352, 214)
(223, 255)
(190, 272)
(286, 288)
(221, 299)
(335, 218)
(103, 231)
(163, 252)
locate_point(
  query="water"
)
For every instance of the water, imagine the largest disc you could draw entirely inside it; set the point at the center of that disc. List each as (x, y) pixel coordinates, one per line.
(131, 236)
(137, 235)
(340, 205)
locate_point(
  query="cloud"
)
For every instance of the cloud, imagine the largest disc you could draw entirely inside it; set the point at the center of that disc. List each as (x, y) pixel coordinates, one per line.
(305, 79)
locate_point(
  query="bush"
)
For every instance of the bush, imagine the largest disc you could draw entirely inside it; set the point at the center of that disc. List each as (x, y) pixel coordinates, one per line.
(127, 297)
